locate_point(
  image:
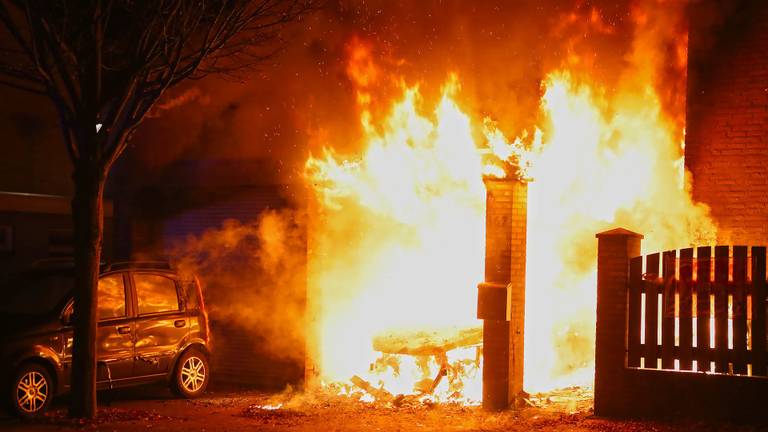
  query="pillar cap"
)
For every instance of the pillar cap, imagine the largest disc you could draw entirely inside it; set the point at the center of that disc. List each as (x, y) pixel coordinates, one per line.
(506, 180)
(618, 232)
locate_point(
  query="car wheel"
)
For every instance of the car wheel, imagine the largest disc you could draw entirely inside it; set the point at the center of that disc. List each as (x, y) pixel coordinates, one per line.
(31, 390)
(192, 374)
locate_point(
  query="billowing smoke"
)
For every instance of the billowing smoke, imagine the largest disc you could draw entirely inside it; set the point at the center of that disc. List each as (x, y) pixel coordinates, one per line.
(253, 276)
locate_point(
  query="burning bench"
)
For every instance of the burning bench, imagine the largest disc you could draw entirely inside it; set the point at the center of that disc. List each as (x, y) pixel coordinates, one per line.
(422, 346)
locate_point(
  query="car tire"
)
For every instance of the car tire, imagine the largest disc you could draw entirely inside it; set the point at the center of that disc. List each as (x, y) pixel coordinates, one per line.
(191, 374)
(31, 390)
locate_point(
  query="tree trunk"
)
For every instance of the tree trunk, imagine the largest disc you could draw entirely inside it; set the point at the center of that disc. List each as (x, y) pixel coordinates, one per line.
(87, 217)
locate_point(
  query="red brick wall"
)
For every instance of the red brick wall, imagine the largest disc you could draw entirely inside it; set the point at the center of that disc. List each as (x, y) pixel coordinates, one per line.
(727, 132)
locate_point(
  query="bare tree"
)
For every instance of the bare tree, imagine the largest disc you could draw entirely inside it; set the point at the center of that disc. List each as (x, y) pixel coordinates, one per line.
(104, 64)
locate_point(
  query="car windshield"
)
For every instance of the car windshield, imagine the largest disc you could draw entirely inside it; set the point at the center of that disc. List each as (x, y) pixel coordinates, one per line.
(36, 293)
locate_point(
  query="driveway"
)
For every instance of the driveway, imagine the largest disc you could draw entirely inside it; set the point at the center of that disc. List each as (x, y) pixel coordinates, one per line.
(228, 409)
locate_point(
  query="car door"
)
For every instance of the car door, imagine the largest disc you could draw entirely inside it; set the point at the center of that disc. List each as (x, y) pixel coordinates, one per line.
(115, 332)
(161, 323)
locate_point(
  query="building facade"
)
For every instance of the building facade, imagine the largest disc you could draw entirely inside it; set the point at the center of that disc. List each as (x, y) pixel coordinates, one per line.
(727, 120)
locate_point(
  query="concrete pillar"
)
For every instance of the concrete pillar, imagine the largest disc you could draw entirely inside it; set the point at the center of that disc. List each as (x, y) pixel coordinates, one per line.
(501, 297)
(614, 250)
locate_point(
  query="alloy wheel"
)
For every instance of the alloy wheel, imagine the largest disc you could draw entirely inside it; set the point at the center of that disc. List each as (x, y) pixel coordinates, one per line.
(31, 392)
(193, 374)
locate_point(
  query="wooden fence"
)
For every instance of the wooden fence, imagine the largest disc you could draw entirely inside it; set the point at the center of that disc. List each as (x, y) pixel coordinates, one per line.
(701, 311)
(681, 332)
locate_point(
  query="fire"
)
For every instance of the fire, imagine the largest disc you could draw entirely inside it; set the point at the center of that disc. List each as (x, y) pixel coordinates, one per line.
(398, 248)
(397, 231)
(605, 162)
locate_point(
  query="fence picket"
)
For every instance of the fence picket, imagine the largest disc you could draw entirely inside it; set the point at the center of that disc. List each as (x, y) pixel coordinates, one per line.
(758, 311)
(686, 309)
(668, 310)
(739, 310)
(703, 269)
(720, 289)
(651, 311)
(633, 320)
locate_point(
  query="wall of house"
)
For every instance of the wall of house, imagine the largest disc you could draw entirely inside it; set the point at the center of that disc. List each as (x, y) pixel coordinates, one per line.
(37, 227)
(34, 159)
(35, 184)
(727, 125)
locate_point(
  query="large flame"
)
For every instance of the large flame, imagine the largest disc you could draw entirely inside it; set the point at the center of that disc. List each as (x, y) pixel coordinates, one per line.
(397, 231)
(398, 243)
(605, 162)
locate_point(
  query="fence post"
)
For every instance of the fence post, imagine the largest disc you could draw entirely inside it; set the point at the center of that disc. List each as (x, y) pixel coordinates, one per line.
(614, 250)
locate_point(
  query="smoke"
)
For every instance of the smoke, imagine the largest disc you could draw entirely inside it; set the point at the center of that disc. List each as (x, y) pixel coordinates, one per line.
(254, 278)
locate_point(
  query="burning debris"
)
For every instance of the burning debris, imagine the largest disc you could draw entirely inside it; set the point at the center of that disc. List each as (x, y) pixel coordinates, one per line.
(426, 359)
(569, 400)
(439, 350)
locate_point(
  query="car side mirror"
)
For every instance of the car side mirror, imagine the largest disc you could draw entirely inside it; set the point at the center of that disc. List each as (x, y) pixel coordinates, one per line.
(66, 316)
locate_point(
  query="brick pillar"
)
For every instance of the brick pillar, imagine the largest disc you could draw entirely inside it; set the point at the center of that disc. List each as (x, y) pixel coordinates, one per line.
(614, 250)
(517, 287)
(501, 296)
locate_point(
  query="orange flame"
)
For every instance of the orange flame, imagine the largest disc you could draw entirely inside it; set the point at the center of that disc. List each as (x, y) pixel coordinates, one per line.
(399, 246)
(398, 233)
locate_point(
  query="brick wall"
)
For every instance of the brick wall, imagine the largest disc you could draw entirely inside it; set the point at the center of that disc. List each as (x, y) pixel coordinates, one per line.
(727, 132)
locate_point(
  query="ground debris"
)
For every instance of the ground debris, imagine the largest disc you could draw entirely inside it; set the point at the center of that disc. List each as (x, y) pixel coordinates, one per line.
(273, 414)
(378, 393)
(103, 416)
(217, 402)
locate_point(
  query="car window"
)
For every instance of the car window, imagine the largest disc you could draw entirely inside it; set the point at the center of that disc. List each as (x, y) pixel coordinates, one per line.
(111, 297)
(155, 293)
(189, 290)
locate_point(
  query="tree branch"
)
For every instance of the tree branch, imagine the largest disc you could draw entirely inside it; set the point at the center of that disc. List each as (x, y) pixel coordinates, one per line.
(19, 86)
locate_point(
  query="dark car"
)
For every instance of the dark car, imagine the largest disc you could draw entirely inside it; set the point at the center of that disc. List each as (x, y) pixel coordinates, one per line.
(152, 326)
